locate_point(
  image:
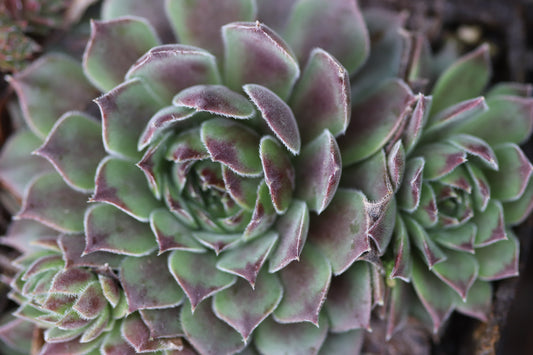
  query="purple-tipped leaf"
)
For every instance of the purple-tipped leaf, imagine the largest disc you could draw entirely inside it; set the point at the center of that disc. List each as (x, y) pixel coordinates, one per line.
(218, 241)
(477, 147)
(341, 231)
(454, 116)
(305, 284)
(341, 26)
(277, 114)
(109, 229)
(427, 213)
(122, 184)
(162, 121)
(243, 190)
(318, 172)
(431, 252)
(125, 111)
(17, 165)
(459, 271)
(264, 213)
(411, 188)
(115, 344)
(51, 202)
(215, 99)
(396, 164)
(91, 302)
(413, 130)
(349, 301)
(72, 247)
(171, 233)
(460, 238)
(137, 334)
(222, 339)
(244, 308)
(292, 228)
(168, 69)
(463, 80)
(74, 148)
(70, 347)
(343, 343)
(71, 281)
(295, 339)
(490, 224)
(375, 120)
(321, 98)
(16, 332)
(163, 323)
(110, 289)
(247, 260)
(441, 159)
(198, 22)
(113, 47)
(516, 212)
(499, 260)
(402, 251)
(197, 275)
(255, 54)
(478, 303)
(39, 86)
(148, 284)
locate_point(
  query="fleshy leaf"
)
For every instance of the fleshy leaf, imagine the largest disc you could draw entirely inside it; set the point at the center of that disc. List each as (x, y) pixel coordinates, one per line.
(410, 191)
(137, 334)
(431, 252)
(16, 332)
(17, 165)
(70, 347)
(244, 308)
(277, 114)
(222, 338)
(427, 213)
(115, 344)
(71, 281)
(125, 111)
(109, 229)
(479, 301)
(499, 260)
(437, 297)
(148, 284)
(460, 238)
(343, 343)
(349, 301)
(344, 243)
(459, 271)
(163, 323)
(318, 172)
(39, 86)
(163, 120)
(246, 260)
(375, 120)
(153, 165)
(91, 302)
(338, 21)
(243, 190)
(217, 241)
(72, 247)
(50, 201)
(292, 227)
(198, 23)
(441, 159)
(171, 233)
(255, 54)
(123, 185)
(305, 284)
(396, 164)
(402, 251)
(413, 130)
(74, 148)
(321, 98)
(197, 275)
(215, 99)
(264, 214)
(113, 47)
(296, 339)
(452, 117)
(463, 80)
(278, 172)
(510, 181)
(510, 89)
(275, 13)
(481, 188)
(110, 289)
(516, 212)
(476, 147)
(233, 145)
(168, 69)
(490, 223)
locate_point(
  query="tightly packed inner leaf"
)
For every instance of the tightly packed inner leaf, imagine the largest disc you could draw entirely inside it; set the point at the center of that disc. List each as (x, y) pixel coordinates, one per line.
(258, 186)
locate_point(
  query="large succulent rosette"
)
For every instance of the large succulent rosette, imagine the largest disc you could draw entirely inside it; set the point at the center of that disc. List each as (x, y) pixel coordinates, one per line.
(183, 213)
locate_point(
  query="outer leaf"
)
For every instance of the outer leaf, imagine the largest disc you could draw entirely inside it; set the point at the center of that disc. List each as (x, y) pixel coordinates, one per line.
(52, 203)
(26, 235)
(198, 23)
(163, 323)
(375, 120)
(479, 301)
(277, 114)
(108, 229)
(197, 275)
(70, 347)
(305, 285)
(113, 47)
(72, 247)
(321, 98)
(171, 233)
(168, 69)
(339, 22)
(459, 271)
(244, 308)
(460, 238)
(348, 240)
(148, 284)
(222, 338)
(255, 54)
(125, 111)
(517, 211)
(137, 334)
(349, 301)
(318, 171)
(74, 148)
(490, 224)
(115, 344)
(499, 260)
(343, 343)
(17, 165)
(465, 79)
(296, 339)
(454, 116)
(39, 86)
(275, 13)
(292, 227)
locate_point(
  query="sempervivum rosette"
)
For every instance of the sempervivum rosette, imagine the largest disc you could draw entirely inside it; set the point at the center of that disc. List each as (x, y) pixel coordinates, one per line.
(195, 191)
(447, 186)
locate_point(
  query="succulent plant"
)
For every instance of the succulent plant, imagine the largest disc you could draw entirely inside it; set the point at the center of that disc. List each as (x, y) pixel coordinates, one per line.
(256, 187)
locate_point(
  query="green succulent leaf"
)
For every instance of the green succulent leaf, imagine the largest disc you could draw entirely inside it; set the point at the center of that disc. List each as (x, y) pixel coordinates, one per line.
(430, 251)
(163, 323)
(459, 238)
(459, 271)
(113, 47)
(478, 302)
(490, 223)
(264, 213)
(516, 212)
(402, 249)
(343, 343)
(137, 334)
(417, 122)
(499, 260)
(171, 233)
(441, 159)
